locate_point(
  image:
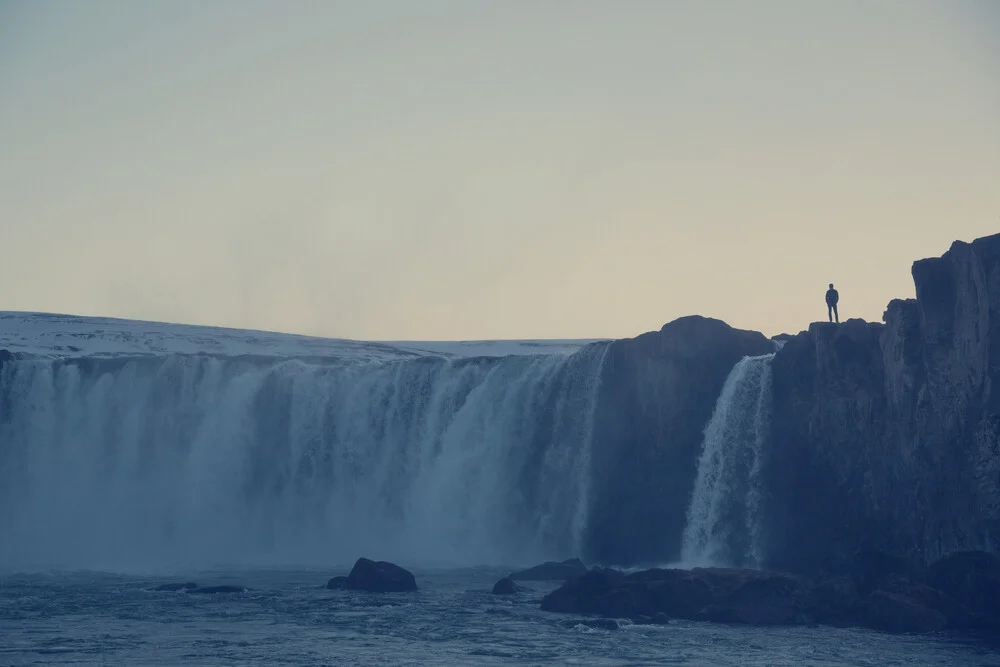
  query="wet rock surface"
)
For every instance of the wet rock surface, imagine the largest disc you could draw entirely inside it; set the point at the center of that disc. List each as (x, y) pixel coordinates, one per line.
(552, 571)
(375, 577)
(894, 602)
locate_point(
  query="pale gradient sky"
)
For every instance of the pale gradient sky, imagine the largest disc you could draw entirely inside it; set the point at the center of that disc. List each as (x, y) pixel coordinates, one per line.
(457, 169)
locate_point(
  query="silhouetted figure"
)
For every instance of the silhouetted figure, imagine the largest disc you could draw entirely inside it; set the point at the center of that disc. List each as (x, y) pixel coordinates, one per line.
(832, 297)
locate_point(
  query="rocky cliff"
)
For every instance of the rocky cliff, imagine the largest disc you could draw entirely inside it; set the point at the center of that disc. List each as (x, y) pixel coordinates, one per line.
(887, 436)
(657, 393)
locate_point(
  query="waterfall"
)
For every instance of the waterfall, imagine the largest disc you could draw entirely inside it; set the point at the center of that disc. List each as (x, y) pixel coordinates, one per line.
(194, 460)
(723, 522)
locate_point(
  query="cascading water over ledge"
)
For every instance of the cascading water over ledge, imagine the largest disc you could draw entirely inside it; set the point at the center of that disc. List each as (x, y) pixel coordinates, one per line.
(127, 444)
(197, 460)
(723, 518)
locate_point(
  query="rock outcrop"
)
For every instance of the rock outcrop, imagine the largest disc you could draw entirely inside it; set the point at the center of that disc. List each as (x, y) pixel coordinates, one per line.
(657, 393)
(886, 437)
(552, 571)
(375, 577)
(727, 595)
(506, 586)
(966, 599)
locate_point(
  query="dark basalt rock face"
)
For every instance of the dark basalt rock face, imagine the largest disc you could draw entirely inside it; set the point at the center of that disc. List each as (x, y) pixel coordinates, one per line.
(966, 599)
(729, 595)
(657, 393)
(552, 571)
(375, 577)
(827, 398)
(886, 437)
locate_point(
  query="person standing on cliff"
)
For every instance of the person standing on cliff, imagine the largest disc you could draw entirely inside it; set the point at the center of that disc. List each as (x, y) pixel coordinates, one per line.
(832, 297)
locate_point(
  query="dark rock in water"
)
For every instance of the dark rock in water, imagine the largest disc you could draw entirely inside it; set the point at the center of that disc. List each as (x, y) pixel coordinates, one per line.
(207, 590)
(964, 595)
(584, 595)
(773, 599)
(552, 571)
(755, 597)
(375, 577)
(893, 612)
(506, 586)
(660, 387)
(732, 596)
(176, 587)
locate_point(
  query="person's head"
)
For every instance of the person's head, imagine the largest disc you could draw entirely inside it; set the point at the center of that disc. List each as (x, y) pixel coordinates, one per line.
(831, 285)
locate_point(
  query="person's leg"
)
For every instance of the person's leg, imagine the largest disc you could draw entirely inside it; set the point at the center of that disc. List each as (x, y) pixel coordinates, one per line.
(836, 314)
(829, 311)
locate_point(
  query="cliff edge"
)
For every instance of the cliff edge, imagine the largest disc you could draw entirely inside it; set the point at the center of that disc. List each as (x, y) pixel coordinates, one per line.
(657, 393)
(887, 436)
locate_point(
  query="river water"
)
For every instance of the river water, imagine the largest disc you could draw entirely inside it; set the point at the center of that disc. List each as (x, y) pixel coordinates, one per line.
(288, 618)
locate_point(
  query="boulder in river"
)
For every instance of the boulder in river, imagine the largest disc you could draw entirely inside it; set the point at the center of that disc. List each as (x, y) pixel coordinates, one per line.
(552, 571)
(958, 593)
(375, 577)
(506, 586)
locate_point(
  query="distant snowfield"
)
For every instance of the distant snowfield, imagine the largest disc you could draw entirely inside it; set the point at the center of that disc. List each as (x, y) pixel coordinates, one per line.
(52, 335)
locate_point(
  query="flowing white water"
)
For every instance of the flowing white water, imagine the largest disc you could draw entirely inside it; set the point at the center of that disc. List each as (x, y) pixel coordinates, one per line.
(191, 460)
(722, 525)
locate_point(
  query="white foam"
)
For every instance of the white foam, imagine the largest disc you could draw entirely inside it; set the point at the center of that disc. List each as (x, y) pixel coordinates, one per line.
(722, 522)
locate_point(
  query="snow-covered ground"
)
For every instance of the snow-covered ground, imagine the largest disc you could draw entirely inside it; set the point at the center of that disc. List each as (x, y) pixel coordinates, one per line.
(46, 334)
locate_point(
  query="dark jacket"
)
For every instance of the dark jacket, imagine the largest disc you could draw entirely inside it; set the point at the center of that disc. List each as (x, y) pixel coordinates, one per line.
(832, 297)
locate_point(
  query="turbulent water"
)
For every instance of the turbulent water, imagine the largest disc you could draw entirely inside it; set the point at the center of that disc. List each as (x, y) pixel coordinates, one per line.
(288, 619)
(193, 460)
(723, 518)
